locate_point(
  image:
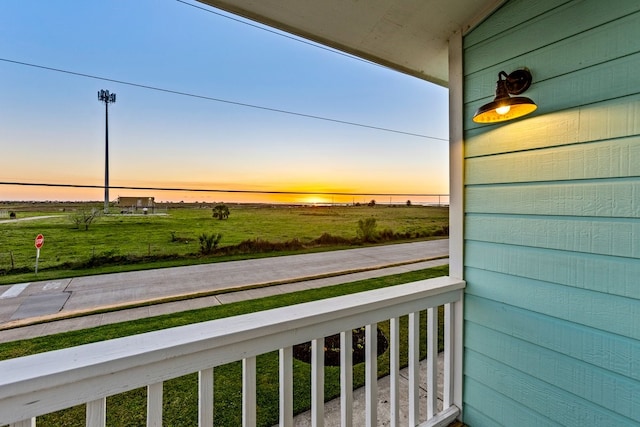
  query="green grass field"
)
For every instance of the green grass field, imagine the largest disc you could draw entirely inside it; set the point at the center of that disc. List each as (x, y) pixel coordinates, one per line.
(127, 242)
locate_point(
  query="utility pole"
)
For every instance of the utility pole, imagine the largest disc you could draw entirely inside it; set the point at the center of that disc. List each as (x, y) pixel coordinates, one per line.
(107, 98)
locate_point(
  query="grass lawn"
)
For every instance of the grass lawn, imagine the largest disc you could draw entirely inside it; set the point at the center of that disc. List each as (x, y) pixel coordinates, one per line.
(132, 242)
(180, 399)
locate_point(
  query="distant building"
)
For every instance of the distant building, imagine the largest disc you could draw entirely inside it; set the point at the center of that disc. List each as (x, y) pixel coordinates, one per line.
(133, 204)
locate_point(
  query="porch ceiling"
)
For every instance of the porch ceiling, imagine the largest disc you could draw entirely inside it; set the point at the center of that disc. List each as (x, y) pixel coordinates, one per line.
(410, 36)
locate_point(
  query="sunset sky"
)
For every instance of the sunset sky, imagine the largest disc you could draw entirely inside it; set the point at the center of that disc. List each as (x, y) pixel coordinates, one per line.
(52, 124)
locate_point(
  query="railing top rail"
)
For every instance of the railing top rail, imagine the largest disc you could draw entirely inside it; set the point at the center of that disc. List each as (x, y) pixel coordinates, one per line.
(99, 368)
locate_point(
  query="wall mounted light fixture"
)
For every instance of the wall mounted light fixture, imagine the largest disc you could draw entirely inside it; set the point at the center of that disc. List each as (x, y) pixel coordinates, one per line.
(504, 107)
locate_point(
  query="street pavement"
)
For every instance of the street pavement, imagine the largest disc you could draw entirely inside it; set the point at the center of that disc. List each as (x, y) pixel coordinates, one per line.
(42, 308)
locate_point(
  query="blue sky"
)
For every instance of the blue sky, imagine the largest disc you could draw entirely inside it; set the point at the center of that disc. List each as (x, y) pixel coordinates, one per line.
(52, 124)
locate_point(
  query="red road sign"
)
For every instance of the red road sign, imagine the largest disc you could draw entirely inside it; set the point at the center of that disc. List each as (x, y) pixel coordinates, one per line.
(39, 241)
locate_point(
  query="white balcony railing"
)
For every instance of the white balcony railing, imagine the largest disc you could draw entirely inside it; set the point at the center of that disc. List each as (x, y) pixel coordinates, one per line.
(43, 383)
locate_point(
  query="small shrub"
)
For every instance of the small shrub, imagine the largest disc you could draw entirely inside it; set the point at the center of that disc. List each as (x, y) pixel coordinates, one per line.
(84, 218)
(209, 242)
(254, 246)
(328, 239)
(387, 234)
(367, 229)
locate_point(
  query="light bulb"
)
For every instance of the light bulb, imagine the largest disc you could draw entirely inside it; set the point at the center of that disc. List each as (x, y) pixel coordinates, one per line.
(503, 110)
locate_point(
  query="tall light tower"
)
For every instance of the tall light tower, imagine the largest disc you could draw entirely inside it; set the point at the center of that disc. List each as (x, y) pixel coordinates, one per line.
(107, 98)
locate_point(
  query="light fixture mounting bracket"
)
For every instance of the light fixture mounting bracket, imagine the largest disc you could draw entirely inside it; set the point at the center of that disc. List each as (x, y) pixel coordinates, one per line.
(518, 81)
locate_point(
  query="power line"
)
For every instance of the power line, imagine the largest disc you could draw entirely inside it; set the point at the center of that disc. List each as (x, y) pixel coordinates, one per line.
(213, 190)
(209, 98)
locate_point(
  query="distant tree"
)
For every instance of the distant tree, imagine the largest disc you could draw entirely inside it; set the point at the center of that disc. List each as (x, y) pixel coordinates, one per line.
(84, 218)
(372, 203)
(221, 211)
(408, 202)
(367, 229)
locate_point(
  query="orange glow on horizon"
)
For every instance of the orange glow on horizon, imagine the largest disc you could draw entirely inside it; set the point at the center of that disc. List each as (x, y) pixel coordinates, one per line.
(232, 192)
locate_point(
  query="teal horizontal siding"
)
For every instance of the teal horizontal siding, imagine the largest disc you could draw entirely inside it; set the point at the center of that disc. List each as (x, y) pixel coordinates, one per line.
(558, 405)
(617, 198)
(491, 408)
(609, 352)
(612, 391)
(600, 236)
(552, 203)
(476, 417)
(607, 120)
(610, 80)
(548, 28)
(598, 45)
(605, 312)
(606, 274)
(510, 15)
(617, 158)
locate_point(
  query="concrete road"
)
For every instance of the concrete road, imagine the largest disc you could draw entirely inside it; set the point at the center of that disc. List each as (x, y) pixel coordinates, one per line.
(28, 303)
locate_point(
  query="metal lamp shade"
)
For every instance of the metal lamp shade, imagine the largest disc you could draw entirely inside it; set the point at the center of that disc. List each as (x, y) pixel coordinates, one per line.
(491, 113)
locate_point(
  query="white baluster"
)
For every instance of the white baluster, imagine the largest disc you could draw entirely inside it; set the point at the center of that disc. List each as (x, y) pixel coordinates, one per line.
(249, 392)
(205, 398)
(371, 374)
(447, 395)
(317, 382)
(414, 372)
(286, 387)
(394, 372)
(96, 413)
(432, 362)
(154, 405)
(346, 378)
